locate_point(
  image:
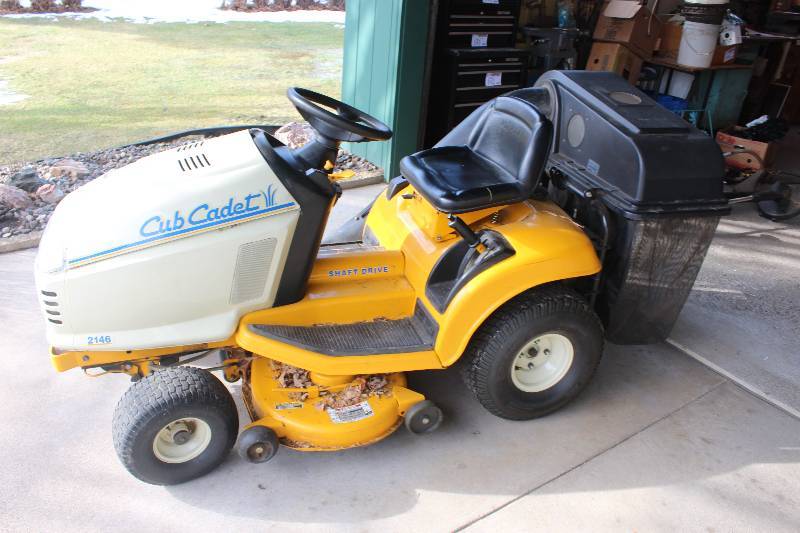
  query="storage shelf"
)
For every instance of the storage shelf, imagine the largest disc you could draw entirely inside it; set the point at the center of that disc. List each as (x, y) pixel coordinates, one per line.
(675, 66)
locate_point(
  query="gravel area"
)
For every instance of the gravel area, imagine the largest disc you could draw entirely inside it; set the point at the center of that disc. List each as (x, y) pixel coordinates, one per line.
(63, 174)
(29, 192)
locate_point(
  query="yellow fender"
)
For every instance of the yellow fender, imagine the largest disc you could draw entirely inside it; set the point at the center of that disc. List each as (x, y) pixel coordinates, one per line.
(491, 289)
(549, 246)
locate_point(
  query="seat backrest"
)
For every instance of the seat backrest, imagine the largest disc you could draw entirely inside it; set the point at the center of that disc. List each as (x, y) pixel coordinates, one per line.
(511, 133)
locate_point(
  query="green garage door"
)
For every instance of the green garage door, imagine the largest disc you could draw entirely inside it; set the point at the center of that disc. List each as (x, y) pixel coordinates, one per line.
(385, 48)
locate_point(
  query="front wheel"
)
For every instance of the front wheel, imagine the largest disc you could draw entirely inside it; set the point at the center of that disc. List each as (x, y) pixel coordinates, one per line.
(174, 425)
(534, 354)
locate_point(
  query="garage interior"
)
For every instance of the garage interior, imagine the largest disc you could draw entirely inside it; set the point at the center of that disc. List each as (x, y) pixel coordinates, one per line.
(735, 74)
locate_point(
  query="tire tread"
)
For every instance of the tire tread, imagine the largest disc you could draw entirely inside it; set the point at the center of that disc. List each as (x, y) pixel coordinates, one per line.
(162, 391)
(488, 340)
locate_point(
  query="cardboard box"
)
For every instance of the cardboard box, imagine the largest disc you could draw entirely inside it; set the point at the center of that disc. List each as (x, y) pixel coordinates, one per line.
(728, 141)
(630, 23)
(614, 57)
(670, 41)
(724, 55)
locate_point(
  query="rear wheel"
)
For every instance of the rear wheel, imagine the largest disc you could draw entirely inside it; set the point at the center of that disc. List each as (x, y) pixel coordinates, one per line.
(174, 425)
(534, 354)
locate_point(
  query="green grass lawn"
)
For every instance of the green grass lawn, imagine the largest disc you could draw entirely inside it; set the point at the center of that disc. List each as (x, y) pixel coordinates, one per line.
(94, 85)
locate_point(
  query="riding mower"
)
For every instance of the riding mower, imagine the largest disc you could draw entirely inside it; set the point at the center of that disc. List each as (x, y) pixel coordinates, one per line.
(550, 219)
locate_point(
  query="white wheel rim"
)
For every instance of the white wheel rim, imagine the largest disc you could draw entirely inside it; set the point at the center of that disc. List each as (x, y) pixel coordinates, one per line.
(193, 436)
(542, 362)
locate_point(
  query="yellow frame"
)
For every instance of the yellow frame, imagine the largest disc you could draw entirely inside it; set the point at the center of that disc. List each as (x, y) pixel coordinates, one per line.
(386, 282)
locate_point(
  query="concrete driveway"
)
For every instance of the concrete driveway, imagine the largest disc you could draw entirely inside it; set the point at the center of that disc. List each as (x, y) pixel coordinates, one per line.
(743, 316)
(658, 442)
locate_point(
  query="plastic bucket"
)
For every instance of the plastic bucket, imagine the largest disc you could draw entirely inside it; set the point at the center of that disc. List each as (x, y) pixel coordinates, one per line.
(697, 44)
(679, 86)
(704, 13)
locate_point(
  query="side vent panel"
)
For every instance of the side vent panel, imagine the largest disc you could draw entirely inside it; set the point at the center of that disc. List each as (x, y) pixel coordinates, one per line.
(52, 307)
(252, 270)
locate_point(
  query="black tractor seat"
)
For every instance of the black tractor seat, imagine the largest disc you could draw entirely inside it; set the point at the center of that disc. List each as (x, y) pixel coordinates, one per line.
(501, 156)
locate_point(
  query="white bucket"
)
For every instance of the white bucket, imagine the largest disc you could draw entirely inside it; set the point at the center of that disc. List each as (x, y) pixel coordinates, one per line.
(697, 44)
(680, 84)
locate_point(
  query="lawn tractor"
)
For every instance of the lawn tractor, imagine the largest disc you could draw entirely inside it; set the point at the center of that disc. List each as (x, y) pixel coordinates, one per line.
(550, 219)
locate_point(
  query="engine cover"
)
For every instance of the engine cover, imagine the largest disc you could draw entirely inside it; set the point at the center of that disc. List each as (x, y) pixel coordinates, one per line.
(170, 250)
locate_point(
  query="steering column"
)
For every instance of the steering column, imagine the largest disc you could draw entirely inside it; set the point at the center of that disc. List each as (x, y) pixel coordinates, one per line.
(346, 124)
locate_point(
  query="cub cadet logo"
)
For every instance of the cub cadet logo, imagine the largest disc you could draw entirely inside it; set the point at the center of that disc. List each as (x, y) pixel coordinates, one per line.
(204, 214)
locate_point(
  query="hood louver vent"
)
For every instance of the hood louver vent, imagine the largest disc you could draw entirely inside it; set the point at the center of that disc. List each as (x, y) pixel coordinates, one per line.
(190, 146)
(194, 162)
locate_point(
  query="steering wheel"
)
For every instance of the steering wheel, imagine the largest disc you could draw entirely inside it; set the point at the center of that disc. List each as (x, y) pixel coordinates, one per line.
(346, 124)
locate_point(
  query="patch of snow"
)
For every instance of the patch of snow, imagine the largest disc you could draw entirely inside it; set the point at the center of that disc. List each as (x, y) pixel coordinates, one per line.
(7, 96)
(189, 11)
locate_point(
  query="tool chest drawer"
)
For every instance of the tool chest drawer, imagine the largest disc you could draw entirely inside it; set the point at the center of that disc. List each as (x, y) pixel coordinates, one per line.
(476, 76)
(478, 24)
(483, 7)
(486, 69)
(480, 31)
(461, 111)
(474, 60)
